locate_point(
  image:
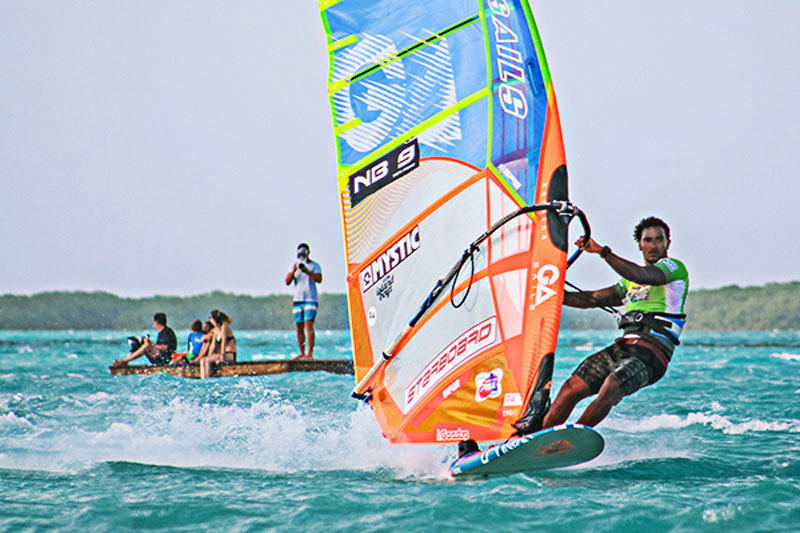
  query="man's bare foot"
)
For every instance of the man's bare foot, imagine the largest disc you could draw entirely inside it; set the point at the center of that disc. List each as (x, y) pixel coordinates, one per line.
(302, 357)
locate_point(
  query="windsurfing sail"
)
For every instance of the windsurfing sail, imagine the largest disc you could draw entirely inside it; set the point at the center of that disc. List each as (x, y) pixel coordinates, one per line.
(449, 153)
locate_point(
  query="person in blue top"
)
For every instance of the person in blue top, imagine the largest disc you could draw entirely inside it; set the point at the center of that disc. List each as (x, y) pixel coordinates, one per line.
(195, 341)
(305, 274)
(654, 296)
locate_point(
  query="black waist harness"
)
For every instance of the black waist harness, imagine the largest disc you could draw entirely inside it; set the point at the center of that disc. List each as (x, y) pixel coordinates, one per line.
(639, 321)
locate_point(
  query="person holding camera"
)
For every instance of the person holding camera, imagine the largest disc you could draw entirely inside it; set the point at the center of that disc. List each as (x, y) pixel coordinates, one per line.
(305, 274)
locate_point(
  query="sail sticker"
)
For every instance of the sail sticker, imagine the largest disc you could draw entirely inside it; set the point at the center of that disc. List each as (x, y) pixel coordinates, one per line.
(489, 385)
(384, 171)
(397, 252)
(450, 389)
(451, 435)
(468, 344)
(512, 399)
(384, 289)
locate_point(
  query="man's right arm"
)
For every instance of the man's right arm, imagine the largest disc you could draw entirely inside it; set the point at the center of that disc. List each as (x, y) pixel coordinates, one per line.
(589, 299)
(290, 275)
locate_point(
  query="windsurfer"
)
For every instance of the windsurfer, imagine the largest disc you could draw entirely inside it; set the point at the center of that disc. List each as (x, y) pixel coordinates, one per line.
(160, 352)
(305, 274)
(655, 295)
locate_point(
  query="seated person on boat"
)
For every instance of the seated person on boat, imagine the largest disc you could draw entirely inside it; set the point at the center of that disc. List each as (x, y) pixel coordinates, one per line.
(223, 343)
(158, 353)
(194, 344)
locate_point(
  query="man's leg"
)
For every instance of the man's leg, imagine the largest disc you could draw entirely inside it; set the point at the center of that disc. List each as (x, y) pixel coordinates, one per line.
(608, 397)
(310, 337)
(301, 338)
(140, 351)
(630, 375)
(572, 391)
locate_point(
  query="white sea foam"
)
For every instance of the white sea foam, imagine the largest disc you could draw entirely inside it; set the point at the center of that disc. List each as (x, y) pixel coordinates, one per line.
(11, 420)
(585, 347)
(716, 421)
(271, 435)
(787, 356)
(98, 396)
(720, 514)
(267, 357)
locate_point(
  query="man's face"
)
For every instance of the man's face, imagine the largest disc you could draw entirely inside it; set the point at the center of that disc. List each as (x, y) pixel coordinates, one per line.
(654, 244)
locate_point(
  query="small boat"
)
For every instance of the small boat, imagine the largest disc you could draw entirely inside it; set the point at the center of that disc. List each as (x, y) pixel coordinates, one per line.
(246, 368)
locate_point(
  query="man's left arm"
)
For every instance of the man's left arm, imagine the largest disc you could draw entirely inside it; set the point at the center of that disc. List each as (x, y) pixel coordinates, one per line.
(643, 275)
(315, 272)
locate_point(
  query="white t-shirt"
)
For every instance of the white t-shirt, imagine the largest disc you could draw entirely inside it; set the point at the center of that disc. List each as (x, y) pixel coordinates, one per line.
(305, 288)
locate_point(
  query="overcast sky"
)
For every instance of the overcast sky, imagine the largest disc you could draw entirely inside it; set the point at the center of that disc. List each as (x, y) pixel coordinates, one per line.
(178, 147)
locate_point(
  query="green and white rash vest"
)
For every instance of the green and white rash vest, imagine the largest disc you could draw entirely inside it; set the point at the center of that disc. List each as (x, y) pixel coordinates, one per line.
(667, 299)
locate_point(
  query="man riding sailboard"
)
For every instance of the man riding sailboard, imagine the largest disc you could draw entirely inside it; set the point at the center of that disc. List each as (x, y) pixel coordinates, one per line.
(654, 296)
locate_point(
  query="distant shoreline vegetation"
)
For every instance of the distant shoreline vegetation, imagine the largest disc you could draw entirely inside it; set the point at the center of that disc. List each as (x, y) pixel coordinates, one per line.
(731, 308)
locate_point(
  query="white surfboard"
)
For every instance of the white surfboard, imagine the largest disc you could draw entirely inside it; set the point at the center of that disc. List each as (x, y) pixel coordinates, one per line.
(555, 447)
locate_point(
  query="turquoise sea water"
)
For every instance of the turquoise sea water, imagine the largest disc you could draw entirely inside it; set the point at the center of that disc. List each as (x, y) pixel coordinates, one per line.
(714, 446)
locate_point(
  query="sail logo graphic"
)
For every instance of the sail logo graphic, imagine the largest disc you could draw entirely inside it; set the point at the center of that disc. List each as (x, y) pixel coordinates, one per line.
(397, 252)
(544, 278)
(384, 171)
(374, 105)
(510, 64)
(488, 385)
(468, 344)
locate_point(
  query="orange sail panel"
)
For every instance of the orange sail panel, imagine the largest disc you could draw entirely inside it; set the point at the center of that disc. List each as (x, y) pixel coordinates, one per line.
(445, 122)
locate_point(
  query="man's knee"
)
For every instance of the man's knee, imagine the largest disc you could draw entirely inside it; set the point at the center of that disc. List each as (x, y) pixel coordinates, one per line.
(610, 391)
(574, 387)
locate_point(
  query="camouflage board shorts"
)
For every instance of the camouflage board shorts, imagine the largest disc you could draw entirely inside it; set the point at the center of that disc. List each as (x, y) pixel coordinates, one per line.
(634, 367)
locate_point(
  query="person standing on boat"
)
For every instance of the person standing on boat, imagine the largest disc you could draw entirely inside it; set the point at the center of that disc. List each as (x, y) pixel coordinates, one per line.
(305, 274)
(160, 352)
(654, 296)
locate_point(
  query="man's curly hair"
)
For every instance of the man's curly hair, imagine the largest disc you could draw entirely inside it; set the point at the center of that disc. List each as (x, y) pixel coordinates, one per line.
(649, 222)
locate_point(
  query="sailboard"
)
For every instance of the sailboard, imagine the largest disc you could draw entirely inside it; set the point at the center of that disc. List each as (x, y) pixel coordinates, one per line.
(452, 184)
(555, 447)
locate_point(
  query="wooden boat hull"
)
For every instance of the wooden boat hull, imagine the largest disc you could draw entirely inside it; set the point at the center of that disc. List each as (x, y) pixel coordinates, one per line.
(247, 368)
